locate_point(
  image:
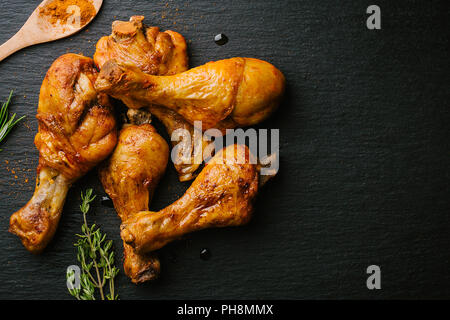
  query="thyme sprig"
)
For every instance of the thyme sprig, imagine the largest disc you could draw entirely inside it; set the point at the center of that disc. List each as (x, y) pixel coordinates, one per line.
(6, 122)
(96, 259)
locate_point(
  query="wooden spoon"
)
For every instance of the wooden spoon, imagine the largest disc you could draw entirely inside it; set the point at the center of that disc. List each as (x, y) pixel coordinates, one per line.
(38, 29)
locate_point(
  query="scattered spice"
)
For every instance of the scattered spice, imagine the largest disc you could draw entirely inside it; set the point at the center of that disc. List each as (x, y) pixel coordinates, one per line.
(19, 175)
(58, 10)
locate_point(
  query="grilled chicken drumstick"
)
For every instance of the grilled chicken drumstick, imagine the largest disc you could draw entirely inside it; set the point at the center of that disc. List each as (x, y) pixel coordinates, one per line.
(129, 177)
(173, 121)
(244, 91)
(155, 53)
(222, 195)
(149, 49)
(77, 130)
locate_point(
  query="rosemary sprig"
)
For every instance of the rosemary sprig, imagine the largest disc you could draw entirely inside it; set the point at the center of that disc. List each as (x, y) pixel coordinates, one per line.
(96, 259)
(7, 123)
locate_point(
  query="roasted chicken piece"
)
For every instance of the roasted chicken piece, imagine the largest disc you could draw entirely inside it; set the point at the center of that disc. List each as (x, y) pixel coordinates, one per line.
(222, 195)
(156, 53)
(243, 91)
(149, 49)
(130, 177)
(186, 157)
(77, 130)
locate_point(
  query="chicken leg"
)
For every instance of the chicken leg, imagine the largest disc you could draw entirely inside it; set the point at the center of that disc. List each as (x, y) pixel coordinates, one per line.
(77, 130)
(186, 168)
(245, 90)
(149, 49)
(222, 195)
(156, 53)
(129, 177)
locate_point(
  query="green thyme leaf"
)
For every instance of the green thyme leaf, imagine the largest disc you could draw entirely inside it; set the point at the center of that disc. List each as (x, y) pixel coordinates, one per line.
(6, 122)
(95, 255)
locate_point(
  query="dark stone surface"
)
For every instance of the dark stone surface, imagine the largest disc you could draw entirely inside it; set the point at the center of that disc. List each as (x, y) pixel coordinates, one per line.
(364, 175)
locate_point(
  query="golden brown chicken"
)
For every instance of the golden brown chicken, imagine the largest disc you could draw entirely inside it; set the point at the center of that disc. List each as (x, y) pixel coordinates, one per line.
(149, 49)
(155, 53)
(130, 177)
(186, 159)
(222, 195)
(77, 130)
(241, 90)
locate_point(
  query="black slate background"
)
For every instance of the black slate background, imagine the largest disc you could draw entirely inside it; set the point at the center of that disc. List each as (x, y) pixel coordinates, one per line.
(364, 175)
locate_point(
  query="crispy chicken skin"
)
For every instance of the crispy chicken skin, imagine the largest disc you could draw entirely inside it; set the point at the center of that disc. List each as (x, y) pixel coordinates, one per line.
(222, 195)
(173, 121)
(156, 53)
(244, 89)
(77, 130)
(130, 177)
(149, 49)
(186, 166)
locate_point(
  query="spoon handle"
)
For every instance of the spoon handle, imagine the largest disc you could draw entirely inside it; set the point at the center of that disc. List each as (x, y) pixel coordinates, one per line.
(17, 42)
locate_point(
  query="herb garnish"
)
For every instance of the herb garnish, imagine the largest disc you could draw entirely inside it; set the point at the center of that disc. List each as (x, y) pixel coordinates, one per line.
(96, 259)
(7, 123)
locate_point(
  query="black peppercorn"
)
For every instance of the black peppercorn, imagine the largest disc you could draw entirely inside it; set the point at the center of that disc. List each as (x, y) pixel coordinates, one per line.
(205, 254)
(220, 39)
